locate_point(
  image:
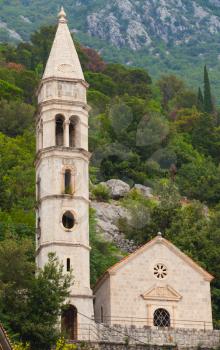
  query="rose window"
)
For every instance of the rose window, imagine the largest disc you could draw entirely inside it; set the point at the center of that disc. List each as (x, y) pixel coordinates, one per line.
(160, 271)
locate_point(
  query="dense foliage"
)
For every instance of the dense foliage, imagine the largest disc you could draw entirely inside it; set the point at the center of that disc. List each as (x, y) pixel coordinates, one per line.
(160, 134)
(181, 49)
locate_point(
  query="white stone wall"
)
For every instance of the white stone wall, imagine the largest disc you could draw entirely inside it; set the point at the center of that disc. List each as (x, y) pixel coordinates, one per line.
(136, 277)
(103, 300)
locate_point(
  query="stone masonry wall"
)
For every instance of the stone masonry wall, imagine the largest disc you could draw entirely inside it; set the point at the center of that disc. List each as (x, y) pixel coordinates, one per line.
(181, 338)
(121, 346)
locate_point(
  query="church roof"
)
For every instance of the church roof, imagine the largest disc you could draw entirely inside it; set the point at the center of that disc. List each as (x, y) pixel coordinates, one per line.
(5, 343)
(63, 61)
(157, 240)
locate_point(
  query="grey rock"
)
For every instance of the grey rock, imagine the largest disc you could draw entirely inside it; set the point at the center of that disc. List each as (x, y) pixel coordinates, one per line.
(108, 215)
(146, 191)
(117, 188)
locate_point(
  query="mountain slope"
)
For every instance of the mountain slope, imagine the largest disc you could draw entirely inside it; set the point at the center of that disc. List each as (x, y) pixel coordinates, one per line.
(160, 35)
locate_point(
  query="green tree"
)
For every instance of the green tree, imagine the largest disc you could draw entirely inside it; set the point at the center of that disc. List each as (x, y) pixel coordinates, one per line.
(9, 91)
(15, 117)
(29, 304)
(200, 100)
(103, 253)
(208, 104)
(170, 87)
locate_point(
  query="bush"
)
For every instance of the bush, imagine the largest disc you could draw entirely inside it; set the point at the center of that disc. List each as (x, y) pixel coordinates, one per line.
(101, 192)
(61, 345)
(20, 346)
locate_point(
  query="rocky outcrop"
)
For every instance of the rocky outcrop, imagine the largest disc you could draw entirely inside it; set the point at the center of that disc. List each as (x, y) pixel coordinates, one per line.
(145, 191)
(117, 188)
(108, 215)
(138, 24)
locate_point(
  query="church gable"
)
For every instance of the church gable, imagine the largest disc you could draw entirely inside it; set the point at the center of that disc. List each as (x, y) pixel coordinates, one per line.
(159, 240)
(162, 293)
(4, 340)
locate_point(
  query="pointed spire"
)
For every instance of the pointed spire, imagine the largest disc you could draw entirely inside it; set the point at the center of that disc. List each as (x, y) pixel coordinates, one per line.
(63, 61)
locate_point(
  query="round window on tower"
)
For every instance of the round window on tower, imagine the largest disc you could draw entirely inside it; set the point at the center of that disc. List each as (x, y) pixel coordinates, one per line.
(68, 220)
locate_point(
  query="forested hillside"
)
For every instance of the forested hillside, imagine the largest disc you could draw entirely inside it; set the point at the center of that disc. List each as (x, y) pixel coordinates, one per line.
(161, 134)
(173, 36)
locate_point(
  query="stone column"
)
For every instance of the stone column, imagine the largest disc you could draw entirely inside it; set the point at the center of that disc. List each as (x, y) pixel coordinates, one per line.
(66, 133)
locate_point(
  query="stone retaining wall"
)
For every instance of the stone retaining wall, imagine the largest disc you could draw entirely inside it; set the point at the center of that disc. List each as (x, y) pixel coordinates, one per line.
(181, 338)
(122, 346)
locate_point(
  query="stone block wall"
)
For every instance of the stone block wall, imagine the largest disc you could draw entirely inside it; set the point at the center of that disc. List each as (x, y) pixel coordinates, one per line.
(145, 337)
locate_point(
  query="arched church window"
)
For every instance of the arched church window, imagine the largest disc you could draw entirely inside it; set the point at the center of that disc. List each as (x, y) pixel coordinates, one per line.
(73, 129)
(161, 318)
(68, 220)
(68, 264)
(59, 130)
(67, 181)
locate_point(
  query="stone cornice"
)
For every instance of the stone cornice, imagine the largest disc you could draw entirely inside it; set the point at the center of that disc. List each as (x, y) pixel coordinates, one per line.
(63, 196)
(61, 244)
(58, 101)
(166, 293)
(79, 153)
(82, 296)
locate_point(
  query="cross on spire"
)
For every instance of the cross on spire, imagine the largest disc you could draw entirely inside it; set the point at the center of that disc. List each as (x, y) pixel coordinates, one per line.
(62, 16)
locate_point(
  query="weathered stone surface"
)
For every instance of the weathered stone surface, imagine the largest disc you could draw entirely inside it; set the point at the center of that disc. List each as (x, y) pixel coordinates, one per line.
(145, 191)
(117, 188)
(108, 215)
(142, 337)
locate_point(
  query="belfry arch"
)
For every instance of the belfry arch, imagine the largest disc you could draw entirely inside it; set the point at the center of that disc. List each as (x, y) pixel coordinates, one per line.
(59, 129)
(69, 322)
(74, 132)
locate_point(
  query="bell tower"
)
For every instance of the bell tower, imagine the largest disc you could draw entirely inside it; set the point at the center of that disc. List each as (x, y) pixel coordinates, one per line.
(62, 178)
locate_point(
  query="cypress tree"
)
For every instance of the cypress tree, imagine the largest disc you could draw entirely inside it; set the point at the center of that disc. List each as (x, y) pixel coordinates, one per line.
(200, 100)
(208, 106)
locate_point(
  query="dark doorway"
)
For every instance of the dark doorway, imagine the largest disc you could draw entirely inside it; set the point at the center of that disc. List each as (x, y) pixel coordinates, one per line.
(69, 322)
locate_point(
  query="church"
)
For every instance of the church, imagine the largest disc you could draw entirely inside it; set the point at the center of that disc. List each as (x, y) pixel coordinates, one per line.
(157, 286)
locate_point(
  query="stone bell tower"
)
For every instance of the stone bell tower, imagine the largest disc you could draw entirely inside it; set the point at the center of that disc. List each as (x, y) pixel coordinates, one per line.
(62, 174)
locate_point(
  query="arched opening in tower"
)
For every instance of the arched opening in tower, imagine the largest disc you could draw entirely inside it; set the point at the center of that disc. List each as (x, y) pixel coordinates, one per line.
(73, 131)
(67, 180)
(69, 322)
(59, 130)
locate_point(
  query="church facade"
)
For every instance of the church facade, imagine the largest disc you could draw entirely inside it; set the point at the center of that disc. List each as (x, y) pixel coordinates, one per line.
(157, 286)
